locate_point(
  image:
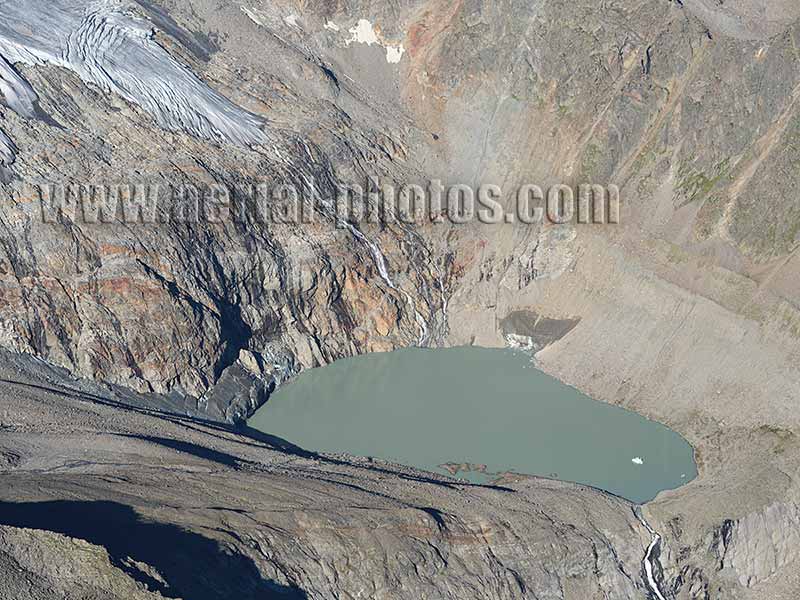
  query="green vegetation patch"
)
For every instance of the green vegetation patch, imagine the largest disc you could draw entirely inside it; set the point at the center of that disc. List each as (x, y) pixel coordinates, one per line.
(696, 185)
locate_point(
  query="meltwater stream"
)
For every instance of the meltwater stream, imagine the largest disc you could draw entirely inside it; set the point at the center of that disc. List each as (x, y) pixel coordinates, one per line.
(477, 413)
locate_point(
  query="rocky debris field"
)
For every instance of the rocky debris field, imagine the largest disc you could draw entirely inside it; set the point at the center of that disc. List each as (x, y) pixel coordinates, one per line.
(131, 350)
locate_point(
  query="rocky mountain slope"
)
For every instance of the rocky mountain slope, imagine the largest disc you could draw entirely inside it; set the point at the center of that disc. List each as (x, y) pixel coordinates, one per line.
(136, 504)
(686, 311)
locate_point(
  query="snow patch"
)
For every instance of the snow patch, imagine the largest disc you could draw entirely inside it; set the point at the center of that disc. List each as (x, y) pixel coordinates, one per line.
(252, 16)
(110, 48)
(637, 461)
(394, 53)
(331, 26)
(292, 20)
(364, 32)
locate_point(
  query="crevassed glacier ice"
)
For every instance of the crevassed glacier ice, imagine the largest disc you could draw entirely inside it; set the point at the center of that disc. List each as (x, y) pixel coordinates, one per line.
(104, 43)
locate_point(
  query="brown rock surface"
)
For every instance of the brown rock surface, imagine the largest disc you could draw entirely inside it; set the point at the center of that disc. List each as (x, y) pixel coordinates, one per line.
(687, 311)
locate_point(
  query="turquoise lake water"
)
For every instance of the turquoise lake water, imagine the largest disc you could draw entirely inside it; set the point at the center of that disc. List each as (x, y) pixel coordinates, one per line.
(480, 412)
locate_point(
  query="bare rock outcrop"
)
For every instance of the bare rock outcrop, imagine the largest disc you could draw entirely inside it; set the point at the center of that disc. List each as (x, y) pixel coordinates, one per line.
(686, 311)
(137, 503)
(761, 544)
(39, 564)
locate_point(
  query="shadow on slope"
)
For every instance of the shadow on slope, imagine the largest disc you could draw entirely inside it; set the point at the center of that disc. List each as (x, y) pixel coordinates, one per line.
(193, 567)
(203, 452)
(243, 435)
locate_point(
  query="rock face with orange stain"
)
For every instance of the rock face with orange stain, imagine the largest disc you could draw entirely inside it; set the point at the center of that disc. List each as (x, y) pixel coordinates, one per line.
(401, 95)
(686, 311)
(168, 307)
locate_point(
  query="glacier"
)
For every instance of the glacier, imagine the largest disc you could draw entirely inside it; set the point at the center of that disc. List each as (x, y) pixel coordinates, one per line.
(106, 44)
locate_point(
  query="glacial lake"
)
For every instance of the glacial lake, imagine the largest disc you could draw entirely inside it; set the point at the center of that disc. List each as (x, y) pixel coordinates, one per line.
(476, 413)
